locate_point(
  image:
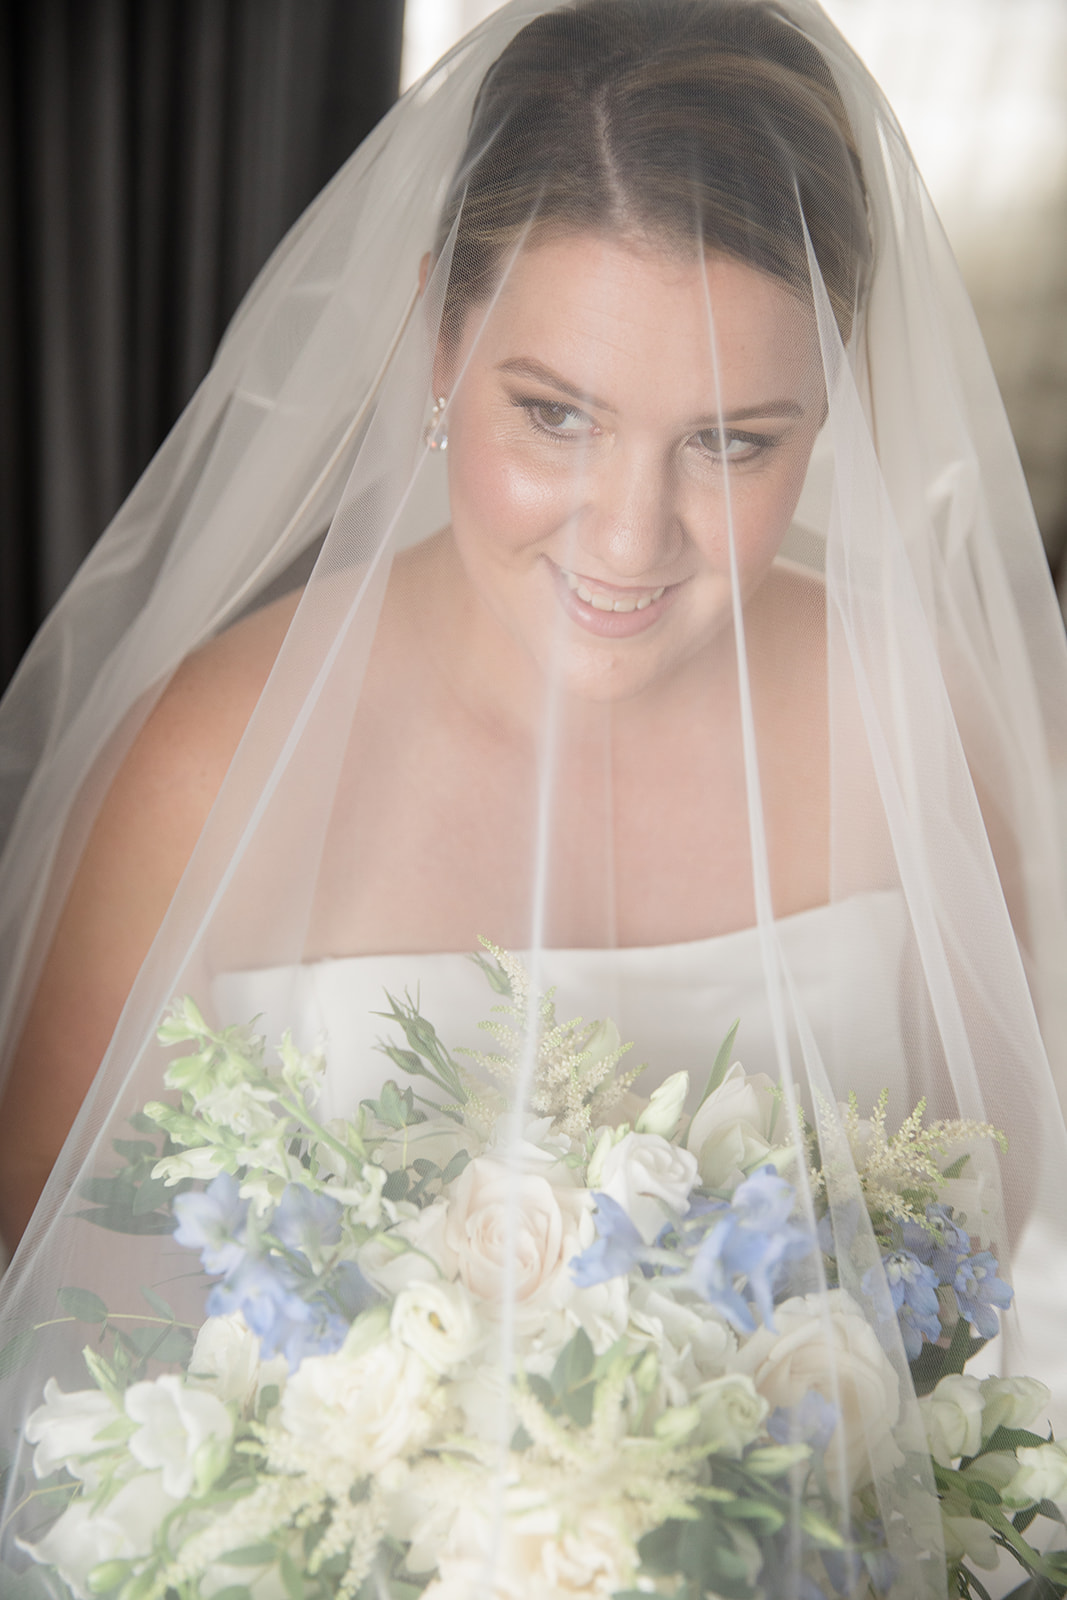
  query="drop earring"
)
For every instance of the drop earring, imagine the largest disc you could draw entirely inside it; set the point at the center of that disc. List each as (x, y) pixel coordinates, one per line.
(436, 434)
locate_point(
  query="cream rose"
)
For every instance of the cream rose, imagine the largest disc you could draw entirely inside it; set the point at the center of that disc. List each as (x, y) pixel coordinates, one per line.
(731, 1133)
(534, 1555)
(824, 1343)
(513, 1232)
(650, 1178)
(363, 1408)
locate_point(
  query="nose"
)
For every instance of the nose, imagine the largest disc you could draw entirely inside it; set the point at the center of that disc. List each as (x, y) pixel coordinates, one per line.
(630, 526)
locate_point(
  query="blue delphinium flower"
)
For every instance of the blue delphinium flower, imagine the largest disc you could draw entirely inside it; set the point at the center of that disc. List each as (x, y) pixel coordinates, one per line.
(978, 1290)
(753, 1239)
(305, 1223)
(940, 1243)
(213, 1222)
(266, 1291)
(913, 1291)
(618, 1247)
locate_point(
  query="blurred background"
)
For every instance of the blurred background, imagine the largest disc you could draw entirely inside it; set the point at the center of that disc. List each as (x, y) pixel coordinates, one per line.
(153, 152)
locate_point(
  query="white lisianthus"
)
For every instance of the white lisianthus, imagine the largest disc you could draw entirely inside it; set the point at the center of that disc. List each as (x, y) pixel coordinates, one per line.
(732, 1413)
(439, 1322)
(731, 1133)
(363, 1407)
(86, 1535)
(970, 1539)
(1011, 1403)
(412, 1252)
(691, 1343)
(510, 1232)
(226, 1362)
(650, 1178)
(952, 1417)
(1041, 1475)
(184, 1432)
(664, 1110)
(824, 1343)
(65, 1429)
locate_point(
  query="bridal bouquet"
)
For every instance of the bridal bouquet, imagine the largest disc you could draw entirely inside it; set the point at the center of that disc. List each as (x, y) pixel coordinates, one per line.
(598, 1349)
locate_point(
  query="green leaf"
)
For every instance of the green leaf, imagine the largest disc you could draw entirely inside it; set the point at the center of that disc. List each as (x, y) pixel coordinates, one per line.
(1013, 1439)
(142, 1124)
(396, 1185)
(82, 1304)
(424, 1168)
(291, 1576)
(454, 1168)
(157, 1302)
(574, 1364)
(135, 1149)
(157, 1344)
(150, 1195)
(17, 1352)
(233, 1591)
(121, 1220)
(720, 1064)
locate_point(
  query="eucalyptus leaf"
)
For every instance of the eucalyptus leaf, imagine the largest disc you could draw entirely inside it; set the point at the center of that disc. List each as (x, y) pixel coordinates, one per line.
(82, 1304)
(118, 1219)
(157, 1302)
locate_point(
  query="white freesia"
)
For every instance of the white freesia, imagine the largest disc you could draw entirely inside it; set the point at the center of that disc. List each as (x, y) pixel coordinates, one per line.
(87, 1535)
(202, 1164)
(1041, 1475)
(650, 1178)
(361, 1406)
(952, 1417)
(1011, 1403)
(65, 1429)
(664, 1110)
(824, 1343)
(183, 1431)
(731, 1133)
(439, 1322)
(513, 1233)
(226, 1362)
(970, 1539)
(732, 1413)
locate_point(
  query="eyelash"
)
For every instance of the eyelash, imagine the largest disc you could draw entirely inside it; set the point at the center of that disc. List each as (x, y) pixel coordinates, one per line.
(758, 443)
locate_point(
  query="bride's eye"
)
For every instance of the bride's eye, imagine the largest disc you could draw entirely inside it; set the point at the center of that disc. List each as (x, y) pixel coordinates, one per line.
(728, 445)
(556, 417)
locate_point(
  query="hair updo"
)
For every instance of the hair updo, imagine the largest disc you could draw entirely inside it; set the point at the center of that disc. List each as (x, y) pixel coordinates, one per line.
(710, 122)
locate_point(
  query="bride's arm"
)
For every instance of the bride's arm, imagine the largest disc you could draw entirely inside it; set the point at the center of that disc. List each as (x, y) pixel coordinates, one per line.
(136, 853)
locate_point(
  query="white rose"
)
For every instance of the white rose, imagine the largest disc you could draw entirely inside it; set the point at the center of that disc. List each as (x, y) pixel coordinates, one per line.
(65, 1429)
(1011, 1403)
(362, 1408)
(121, 1530)
(439, 1322)
(226, 1362)
(185, 1432)
(513, 1231)
(534, 1555)
(731, 1133)
(650, 1178)
(1041, 1475)
(731, 1413)
(824, 1343)
(952, 1416)
(412, 1252)
(664, 1110)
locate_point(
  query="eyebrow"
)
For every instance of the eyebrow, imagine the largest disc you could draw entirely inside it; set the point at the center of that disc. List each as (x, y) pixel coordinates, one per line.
(525, 367)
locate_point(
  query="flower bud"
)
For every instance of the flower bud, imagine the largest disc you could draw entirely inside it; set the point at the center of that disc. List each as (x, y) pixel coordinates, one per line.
(664, 1110)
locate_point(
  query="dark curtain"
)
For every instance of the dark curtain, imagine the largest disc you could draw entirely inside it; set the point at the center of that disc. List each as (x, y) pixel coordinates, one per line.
(152, 153)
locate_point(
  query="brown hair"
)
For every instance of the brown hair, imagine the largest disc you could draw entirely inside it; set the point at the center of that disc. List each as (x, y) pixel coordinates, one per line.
(709, 120)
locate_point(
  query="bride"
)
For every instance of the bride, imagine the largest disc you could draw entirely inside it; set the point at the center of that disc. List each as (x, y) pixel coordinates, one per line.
(677, 620)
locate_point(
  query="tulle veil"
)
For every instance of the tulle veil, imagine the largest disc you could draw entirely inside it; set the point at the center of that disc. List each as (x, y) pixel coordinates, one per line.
(935, 730)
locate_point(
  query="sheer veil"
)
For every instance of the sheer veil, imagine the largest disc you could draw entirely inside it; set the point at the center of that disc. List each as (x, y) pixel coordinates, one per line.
(875, 713)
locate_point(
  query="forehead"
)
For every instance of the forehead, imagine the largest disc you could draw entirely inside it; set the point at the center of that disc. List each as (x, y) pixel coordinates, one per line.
(610, 313)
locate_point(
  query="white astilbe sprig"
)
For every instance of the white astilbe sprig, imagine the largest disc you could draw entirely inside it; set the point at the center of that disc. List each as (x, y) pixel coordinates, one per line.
(900, 1173)
(575, 1080)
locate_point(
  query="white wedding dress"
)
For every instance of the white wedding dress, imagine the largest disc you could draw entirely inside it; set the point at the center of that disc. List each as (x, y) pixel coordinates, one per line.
(676, 1002)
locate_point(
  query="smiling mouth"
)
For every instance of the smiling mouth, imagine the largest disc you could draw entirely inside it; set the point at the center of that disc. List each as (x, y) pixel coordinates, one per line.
(620, 600)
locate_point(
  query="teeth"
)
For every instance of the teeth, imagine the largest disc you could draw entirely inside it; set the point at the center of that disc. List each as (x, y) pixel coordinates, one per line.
(604, 602)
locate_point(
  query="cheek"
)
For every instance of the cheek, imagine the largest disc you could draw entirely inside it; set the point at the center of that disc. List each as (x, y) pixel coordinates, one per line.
(495, 489)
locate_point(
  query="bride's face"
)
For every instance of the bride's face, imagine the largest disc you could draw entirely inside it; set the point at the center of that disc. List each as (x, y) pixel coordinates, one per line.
(612, 413)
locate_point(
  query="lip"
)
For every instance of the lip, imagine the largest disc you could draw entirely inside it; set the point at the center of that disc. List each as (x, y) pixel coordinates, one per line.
(609, 624)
